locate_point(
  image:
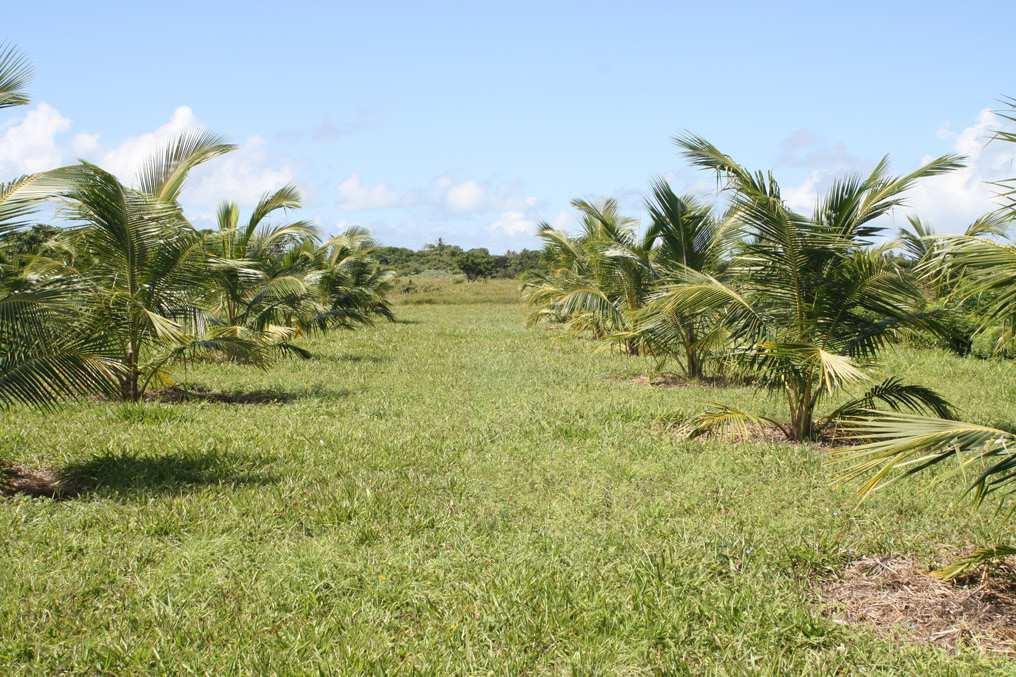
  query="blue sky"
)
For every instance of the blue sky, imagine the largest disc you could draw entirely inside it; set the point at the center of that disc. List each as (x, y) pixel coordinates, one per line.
(473, 123)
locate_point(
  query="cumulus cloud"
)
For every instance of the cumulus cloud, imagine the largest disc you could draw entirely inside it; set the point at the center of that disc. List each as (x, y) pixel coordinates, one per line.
(949, 202)
(31, 143)
(952, 201)
(126, 158)
(467, 196)
(475, 196)
(242, 176)
(804, 148)
(355, 195)
(39, 140)
(803, 197)
(514, 224)
(85, 145)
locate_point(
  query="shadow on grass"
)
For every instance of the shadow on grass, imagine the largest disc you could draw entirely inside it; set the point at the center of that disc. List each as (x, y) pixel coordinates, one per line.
(128, 475)
(198, 393)
(353, 358)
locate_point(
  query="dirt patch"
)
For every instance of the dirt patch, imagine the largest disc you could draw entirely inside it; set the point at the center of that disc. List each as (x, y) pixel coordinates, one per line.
(752, 432)
(199, 394)
(747, 433)
(677, 381)
(16, 479)
(896, 597)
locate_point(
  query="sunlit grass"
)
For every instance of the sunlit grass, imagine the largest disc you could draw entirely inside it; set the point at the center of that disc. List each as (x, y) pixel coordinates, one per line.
(454, 493)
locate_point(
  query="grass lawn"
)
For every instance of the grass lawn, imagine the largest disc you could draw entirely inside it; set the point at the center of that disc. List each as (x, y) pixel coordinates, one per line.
(455, 493)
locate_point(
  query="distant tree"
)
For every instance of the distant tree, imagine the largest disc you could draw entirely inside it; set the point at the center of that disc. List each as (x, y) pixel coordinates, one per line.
(443, 257)
(476, 264)
(524, 262)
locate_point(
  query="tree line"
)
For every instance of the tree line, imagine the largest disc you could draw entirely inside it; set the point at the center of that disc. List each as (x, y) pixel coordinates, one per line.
(475, 264)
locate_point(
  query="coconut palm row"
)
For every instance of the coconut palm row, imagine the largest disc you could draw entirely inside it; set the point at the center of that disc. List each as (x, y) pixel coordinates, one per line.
(607, 281)
(798, 304)
(801, 305)
(130, 286)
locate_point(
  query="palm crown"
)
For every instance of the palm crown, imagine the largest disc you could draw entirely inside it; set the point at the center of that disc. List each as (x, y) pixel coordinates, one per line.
(809, 302)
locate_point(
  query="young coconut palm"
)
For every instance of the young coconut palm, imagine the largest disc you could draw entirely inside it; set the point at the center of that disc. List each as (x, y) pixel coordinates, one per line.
(684, 235)
(895, 445)
(1007, 193)
(598, 281)
(351, 286)
(249, 288)
(144, 264)
(922, 248)
(46, 348)
(808, 302)
(15, 72)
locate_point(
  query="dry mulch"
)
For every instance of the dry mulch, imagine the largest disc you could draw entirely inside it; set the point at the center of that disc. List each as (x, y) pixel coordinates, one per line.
(752, 432)
(199, 394)
(675, 381)
(749, 433)
(896, 597)
(45, 482)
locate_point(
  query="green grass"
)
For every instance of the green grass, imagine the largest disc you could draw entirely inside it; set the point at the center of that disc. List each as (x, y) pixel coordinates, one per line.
(454, 493)
(444, 290)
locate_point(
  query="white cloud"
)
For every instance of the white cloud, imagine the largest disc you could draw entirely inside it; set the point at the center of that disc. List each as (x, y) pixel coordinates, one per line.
(85, 145)
(565, 220)
(804, 148)
(952, 201)
(513, 223)
(126, 159)
(31, 144)
(34, 143)
(467, 196)
(242, 176)
(356, 195)
(803, 197)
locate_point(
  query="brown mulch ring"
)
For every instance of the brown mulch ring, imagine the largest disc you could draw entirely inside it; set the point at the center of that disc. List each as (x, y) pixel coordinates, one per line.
(45, 482)
(201, 394)
(677, 381)
(749, 433)
(896, 597)
(753, 432)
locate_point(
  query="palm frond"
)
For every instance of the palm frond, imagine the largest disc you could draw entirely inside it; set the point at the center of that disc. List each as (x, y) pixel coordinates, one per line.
(898, 396)
(973, 561)
(898, 444)
(15, 73)
(721, 417)
(163, 175)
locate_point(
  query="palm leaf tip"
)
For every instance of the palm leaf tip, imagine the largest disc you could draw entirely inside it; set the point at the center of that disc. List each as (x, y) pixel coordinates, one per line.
(893, 445)
(163, 175)
(15, 74)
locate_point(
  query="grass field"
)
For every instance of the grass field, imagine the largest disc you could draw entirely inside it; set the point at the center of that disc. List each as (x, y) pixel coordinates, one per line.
(454, 493)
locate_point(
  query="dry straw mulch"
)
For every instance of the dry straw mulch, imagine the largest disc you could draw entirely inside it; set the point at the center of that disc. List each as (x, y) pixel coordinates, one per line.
(199, 394)
(665, 380)
(897, 597)
(16, 479)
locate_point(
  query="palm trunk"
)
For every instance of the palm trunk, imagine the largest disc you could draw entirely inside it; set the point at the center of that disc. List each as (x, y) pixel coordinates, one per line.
(693, 361)
(130, 386)
(802, 413)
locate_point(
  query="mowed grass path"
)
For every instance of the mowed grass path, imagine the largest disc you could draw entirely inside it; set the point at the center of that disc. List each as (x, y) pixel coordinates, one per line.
(453, 493)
